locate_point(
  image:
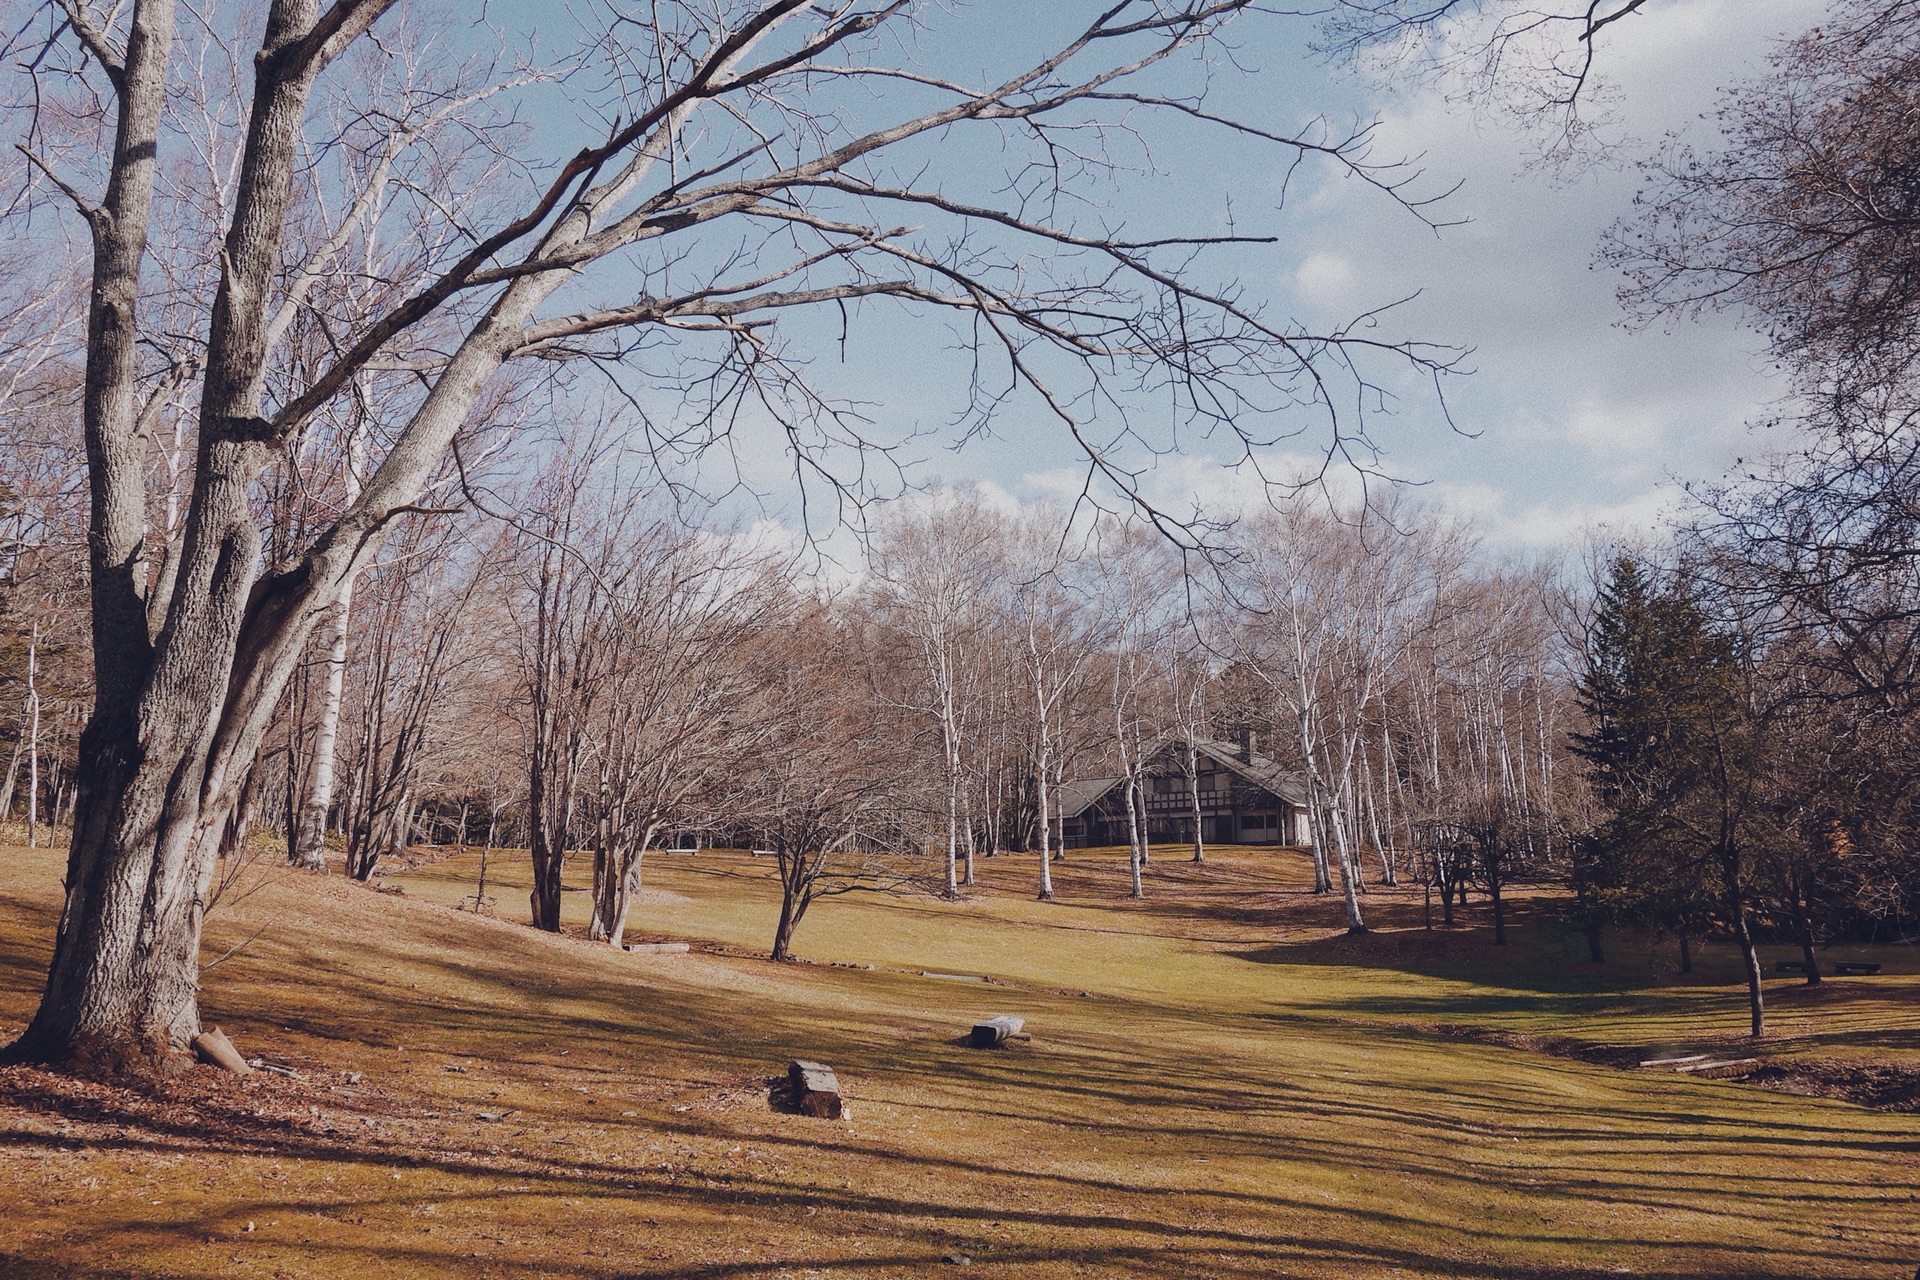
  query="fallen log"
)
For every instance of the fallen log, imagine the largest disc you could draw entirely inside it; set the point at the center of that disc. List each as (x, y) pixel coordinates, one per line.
(658, 948)
(212, 1047)
(1673, 1062)
(816, 1090)
(996, 1031)
(1724, 1067)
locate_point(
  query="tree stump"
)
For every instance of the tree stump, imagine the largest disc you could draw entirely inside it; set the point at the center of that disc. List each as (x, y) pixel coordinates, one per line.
(816, 1090)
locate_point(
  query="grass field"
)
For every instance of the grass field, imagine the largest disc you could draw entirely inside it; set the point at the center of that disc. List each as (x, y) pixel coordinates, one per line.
(1219, 1084)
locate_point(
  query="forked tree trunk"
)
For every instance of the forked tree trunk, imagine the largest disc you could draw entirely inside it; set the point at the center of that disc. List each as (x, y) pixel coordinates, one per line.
(179, 711)
(629, 887)
(795, 897)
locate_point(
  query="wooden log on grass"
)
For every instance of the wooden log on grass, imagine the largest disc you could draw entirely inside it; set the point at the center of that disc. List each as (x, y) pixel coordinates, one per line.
(1673, 1061)
(1722, 1068)
(996, 1031)
(816, 1090)
(212, 1046)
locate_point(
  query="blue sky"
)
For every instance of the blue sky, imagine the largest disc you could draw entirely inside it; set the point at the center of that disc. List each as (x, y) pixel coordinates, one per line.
(1569, 422)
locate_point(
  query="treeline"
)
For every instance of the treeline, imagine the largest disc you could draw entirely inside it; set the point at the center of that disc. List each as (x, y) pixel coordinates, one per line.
(1713, 739)
(580, 670)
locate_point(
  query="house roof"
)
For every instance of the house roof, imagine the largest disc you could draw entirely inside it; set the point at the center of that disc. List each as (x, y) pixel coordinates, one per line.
(1082, 794)
(1263, 772)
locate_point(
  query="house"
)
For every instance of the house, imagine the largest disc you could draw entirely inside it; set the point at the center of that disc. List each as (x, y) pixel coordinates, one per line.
(1245, 798)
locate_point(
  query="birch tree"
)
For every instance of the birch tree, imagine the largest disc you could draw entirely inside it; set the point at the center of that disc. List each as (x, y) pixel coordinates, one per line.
(929, 570)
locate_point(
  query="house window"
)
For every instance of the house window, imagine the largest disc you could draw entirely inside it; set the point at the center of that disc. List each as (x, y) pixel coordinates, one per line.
(1209, 782)
(1256, 821)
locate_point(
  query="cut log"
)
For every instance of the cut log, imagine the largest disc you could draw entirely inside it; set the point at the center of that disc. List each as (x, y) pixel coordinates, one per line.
(816, 1090)
(996, 1031)
(956, 977)
(1674, 1061)
(212, 1047)
(659, 948)
(1724, 1067)
(1856, 966)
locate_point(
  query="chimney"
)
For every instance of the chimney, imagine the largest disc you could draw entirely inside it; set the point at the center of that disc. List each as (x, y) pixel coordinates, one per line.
(1247, 740)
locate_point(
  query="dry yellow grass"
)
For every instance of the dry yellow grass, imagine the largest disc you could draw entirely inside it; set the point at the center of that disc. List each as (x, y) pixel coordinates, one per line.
(1218, 1086)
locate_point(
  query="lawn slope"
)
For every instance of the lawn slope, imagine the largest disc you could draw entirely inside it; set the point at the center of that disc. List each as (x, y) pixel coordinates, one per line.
(1219, 1085)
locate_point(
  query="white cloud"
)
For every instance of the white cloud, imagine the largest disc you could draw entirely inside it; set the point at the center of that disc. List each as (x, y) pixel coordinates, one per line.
(1325, 278)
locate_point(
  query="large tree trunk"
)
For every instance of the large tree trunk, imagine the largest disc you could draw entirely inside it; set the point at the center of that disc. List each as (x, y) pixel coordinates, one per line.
(549, 860)
(179, 714)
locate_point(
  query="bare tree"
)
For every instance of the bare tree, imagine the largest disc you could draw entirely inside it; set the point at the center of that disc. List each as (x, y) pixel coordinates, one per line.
(1056, 637)
(419, 635)
(1804, 214)
(677, 704)
(571, 565)
(788, 180)
(819, 781)
(930, 571)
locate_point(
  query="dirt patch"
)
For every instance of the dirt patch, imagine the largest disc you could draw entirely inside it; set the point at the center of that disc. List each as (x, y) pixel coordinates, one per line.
(1882, 1087)
(206, 1110)
(1886, 1088)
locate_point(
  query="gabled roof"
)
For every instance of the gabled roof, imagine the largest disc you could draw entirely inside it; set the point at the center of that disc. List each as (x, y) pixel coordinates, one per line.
(1082, 794)
(1263, 772)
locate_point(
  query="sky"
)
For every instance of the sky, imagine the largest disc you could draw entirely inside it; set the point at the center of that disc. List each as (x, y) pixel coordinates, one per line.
(1571, 421)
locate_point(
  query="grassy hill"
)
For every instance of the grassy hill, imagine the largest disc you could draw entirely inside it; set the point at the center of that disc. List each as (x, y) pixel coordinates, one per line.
(1220, 1084)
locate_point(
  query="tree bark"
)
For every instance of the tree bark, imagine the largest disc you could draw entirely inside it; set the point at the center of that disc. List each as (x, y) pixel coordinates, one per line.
(1750, 959)
(310, 847)
(1193, 791)
(1134, 837)
(178, 715)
